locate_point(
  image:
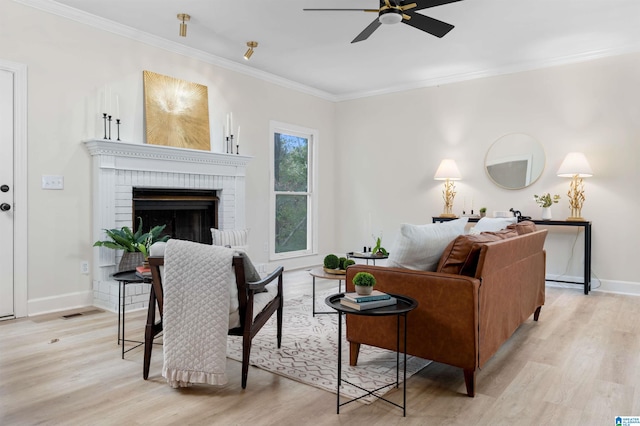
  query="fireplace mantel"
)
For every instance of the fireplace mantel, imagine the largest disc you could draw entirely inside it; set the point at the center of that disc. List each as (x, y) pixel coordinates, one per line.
(118, 167)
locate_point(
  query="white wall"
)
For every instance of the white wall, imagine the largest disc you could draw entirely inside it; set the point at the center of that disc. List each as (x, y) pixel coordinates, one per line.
(391, 146)
(68, 65)
(377, 155)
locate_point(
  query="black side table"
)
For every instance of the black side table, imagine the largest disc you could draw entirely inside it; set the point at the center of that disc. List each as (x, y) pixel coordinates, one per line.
(124, 278)
(404, 305)
(367, 256)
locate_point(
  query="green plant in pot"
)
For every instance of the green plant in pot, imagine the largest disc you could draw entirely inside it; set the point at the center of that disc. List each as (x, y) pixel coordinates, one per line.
(378, 250)
(134, 244)
(483, 211)
(364, 282)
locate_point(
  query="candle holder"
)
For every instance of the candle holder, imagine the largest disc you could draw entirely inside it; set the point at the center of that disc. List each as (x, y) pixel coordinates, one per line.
(226, 145)
(230, 151)
(104, 118)
(109, 119)
(118, 127)
(237, 149)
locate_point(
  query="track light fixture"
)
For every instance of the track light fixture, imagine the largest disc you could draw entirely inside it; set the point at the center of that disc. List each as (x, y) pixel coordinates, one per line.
(251, 45)
(183, 27)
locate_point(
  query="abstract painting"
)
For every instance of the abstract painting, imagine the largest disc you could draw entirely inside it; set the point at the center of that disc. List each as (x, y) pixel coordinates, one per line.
(176, 112)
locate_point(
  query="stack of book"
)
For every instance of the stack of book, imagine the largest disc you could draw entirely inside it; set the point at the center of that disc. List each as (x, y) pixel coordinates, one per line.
(143, 272)
(376, 299)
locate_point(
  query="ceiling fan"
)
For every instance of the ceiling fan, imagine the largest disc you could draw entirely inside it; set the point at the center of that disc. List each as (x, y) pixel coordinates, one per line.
(395, 11)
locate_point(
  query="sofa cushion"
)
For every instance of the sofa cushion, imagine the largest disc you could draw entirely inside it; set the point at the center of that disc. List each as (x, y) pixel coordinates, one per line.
(461, 255)
(524, 227)
(236, 239)
(492, 224)
(420, 247)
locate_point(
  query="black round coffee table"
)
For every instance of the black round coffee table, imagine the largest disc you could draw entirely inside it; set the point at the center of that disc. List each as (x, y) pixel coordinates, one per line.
(403, 306)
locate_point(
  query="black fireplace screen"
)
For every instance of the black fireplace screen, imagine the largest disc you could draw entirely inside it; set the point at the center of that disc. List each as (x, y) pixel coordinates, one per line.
(189, 214)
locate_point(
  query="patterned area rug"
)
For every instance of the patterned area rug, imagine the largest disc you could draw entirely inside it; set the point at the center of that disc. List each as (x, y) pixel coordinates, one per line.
(309, 352)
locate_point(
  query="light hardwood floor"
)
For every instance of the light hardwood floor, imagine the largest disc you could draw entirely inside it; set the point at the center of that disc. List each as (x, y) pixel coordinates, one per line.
(579, 365)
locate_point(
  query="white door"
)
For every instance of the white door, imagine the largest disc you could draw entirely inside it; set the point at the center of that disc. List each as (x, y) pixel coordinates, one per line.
(6, 194)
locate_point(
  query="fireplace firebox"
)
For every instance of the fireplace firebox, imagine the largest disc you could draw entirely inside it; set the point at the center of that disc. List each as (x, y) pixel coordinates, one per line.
(189, 214)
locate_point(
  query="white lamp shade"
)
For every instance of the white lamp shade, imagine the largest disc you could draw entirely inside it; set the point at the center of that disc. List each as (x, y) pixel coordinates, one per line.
(575, 163)
(447, 170)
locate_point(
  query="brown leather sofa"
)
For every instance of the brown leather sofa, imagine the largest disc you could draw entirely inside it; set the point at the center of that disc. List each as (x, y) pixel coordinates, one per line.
(461, 320)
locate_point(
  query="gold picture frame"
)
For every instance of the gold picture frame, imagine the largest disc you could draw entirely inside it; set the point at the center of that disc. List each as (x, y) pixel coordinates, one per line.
(176, 112)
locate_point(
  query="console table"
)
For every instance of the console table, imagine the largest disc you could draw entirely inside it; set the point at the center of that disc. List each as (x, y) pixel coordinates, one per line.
(586, 225)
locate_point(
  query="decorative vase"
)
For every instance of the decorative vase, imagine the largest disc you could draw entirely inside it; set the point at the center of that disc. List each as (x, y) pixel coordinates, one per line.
(546, 213)
(364, 290)
(130, 260)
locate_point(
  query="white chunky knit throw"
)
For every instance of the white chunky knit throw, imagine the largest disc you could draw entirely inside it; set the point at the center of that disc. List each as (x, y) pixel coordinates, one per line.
(196, 285)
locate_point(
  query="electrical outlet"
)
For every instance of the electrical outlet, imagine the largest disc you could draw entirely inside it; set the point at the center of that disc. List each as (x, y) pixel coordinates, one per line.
(52, 182)
(84, 267)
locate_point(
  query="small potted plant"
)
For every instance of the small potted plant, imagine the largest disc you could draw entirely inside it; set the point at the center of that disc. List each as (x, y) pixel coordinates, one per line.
(378, 250)
(333, 264)
(483, 211)
(134, 244)
(364, 282)
(545, 201)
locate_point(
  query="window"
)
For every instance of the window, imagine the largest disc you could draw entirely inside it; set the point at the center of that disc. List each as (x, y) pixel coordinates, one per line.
(292, 191)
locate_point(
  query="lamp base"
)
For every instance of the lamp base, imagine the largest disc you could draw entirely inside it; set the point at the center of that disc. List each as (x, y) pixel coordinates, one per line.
(448, 215)
(576, 219)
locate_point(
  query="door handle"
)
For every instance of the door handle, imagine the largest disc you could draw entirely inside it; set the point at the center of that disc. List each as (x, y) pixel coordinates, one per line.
(4, 207)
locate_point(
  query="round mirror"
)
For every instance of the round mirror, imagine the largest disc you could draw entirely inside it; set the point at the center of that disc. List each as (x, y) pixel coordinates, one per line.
(515, 161)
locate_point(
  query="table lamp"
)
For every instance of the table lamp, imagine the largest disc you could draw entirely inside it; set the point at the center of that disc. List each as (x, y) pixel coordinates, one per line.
(448, 171)
(575, 166)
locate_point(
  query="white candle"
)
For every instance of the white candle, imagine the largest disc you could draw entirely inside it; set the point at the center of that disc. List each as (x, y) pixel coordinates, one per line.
(117, 106)
(238, 137)
(104, 96)
(231, 123)
(226, 130)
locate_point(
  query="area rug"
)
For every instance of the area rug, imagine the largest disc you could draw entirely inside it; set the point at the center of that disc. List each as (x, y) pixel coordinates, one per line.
(309, 353)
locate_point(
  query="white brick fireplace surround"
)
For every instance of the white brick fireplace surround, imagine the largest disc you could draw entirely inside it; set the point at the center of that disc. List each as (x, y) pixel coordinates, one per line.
(118, 167)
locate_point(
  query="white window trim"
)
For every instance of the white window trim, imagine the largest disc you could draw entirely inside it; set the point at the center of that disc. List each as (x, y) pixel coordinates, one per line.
(312, 134)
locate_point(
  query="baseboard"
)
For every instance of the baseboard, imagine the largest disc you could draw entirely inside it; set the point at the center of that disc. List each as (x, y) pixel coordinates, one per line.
(63, 302)
(606, 286)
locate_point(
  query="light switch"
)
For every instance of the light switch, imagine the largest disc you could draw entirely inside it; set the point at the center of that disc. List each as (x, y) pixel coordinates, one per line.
(52, 182)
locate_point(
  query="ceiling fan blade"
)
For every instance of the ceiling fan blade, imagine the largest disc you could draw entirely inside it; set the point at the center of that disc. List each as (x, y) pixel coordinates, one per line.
(425, 4)
(408, 6)
(349, 10)
(429, 25)
(367, 31)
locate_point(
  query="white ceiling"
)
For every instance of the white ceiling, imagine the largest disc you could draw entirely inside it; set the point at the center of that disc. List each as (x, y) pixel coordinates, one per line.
(313, 52)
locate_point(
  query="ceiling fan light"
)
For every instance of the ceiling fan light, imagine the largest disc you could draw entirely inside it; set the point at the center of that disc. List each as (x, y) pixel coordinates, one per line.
(390, 17)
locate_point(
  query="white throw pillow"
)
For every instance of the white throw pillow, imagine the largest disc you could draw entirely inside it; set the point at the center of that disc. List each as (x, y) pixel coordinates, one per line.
(492, 224)
(236, 239)
(420, 247)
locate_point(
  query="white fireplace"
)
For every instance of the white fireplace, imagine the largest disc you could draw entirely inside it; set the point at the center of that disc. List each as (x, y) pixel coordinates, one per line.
(118, 167)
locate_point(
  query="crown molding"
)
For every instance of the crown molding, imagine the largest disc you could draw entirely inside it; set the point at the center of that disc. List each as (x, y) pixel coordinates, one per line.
(504, 69)
(143, 37)
(159, 42)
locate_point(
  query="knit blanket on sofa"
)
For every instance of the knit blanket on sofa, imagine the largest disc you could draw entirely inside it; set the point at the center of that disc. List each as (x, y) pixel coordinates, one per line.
(196, 313)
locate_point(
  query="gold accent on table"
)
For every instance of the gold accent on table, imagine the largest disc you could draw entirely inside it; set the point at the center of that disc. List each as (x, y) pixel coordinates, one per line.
(576, 198)
(176, 112)
(448, 194)
(335, 271)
